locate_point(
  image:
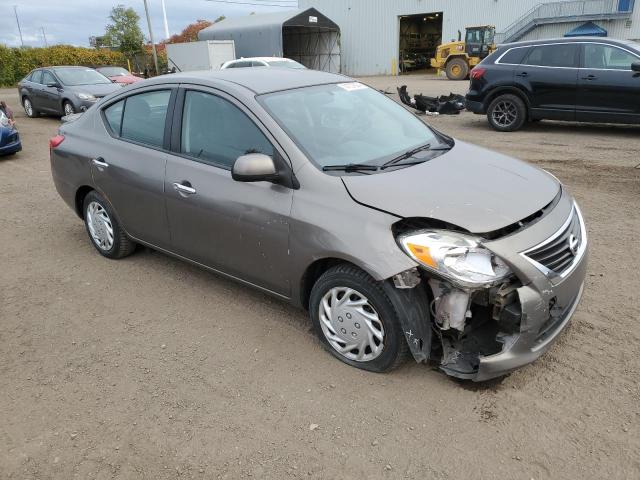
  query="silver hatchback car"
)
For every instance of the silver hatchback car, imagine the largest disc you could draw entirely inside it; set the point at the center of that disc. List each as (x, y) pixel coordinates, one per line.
(398, 240)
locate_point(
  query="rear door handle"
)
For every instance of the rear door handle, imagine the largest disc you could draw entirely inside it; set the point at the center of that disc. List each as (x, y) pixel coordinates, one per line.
(100, 163)
(589, 77)
(184, 188)
(522, 74)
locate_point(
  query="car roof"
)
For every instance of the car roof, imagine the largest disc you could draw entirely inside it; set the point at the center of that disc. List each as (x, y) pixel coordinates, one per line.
(612, 41)
(264, 59)
(258, 80)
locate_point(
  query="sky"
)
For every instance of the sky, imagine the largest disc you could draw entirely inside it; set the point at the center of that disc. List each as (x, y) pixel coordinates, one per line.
(74, 21)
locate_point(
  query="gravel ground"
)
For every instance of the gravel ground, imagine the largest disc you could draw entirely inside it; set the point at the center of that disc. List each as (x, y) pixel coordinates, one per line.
(151, 368)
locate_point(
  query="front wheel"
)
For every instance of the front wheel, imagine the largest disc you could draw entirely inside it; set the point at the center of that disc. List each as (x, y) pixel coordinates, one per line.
(356, 321)
(507, 113)
(103, 228)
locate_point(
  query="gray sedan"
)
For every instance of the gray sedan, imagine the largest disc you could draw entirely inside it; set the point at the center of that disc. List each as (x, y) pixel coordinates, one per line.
(397, 239)
(63, 90)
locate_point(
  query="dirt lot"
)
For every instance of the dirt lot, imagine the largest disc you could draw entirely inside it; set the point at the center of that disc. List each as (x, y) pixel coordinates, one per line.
(150, 368)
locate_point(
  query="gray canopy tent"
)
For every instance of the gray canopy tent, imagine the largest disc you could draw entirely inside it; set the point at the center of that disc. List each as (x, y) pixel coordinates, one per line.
(305, 36)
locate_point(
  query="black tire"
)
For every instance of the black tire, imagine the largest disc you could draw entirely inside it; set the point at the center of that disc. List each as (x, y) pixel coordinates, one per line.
(457, 69)
(32, 112)
(122, 245)
(507, 113)
(395, 349)
(67, 104)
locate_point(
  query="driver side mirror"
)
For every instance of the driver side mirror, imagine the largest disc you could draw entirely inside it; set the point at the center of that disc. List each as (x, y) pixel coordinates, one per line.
(53, 85)
(635, 66)
(254, 167)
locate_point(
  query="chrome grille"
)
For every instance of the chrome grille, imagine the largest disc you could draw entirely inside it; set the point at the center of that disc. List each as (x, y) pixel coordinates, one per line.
(558, 252)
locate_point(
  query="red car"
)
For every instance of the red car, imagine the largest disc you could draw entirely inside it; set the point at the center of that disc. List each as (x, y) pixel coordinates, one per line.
(118, 75)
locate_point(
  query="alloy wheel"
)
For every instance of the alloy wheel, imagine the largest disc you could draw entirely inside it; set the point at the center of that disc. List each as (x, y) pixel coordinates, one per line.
(100, 226)
(505, 113)
(351, 324)
(28, 108)
(68, 109)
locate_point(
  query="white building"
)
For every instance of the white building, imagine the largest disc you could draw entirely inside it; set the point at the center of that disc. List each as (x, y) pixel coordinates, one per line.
(376, 34)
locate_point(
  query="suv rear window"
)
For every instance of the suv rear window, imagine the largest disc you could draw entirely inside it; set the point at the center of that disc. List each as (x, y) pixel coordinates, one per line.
(514, 56)
(556, 55)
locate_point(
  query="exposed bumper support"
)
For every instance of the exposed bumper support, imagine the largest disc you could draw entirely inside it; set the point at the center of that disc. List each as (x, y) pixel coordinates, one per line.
(524, 348)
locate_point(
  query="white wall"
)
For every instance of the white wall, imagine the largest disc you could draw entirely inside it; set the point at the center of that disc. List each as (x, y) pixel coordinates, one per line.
(369, 28)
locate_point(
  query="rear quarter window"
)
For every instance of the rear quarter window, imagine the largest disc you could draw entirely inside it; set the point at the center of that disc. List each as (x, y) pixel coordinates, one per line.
(113, 116)
(514, 56)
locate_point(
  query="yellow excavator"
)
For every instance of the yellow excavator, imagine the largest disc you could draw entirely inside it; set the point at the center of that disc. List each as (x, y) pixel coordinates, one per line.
(458, 58)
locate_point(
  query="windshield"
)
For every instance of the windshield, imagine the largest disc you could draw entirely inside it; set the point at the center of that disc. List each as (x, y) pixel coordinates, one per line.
(346, 123)
(113, 71)
(80, 76)
(285, 63)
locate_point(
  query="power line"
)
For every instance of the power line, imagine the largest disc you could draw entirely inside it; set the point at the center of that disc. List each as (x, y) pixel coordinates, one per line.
(292, 5)
(15, 10)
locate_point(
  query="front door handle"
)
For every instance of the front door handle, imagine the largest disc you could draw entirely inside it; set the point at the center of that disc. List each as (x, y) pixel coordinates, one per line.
(589, 77)
(184, 188)
(100, 163)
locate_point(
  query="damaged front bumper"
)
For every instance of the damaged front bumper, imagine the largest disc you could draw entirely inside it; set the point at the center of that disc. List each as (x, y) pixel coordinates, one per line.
(489, 332)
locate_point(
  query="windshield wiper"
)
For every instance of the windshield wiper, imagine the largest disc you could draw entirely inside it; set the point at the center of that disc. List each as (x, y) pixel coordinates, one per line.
(350, 167)
(397, 161)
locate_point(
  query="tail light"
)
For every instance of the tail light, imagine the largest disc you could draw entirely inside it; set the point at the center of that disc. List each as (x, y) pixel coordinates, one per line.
(55, 141)
(477, 73)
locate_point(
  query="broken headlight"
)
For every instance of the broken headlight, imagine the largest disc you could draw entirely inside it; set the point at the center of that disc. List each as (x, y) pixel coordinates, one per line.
(457, 257)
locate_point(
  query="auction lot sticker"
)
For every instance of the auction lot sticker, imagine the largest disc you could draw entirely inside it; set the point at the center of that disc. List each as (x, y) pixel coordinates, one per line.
(351, 86)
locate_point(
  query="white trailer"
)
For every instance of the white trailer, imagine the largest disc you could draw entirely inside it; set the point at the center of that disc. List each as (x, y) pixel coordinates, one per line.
(203, 55)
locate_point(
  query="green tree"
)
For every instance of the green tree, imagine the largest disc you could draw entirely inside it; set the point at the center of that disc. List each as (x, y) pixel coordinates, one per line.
(124, 32)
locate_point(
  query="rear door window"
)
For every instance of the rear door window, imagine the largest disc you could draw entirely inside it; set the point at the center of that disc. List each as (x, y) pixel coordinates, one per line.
(37, 76)
(144, 117)
(217, 132)
(597, 55)
(555, 55)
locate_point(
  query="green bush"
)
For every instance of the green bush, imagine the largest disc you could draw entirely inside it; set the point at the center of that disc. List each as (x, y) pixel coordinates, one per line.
(15, 63)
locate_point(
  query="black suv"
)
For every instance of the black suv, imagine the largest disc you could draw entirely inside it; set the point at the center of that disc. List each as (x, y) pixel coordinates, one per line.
(577, 79)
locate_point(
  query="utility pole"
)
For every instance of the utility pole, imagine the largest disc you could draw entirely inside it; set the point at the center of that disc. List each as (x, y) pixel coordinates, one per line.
(44, 36)
(15, 10)
(166, 25)
(153, 45)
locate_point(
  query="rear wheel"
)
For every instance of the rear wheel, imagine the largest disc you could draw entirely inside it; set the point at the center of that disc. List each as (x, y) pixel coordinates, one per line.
(356, 321)
(457, 69)
(68, 108)
(28, 108)
(103, 228)
(507, 113)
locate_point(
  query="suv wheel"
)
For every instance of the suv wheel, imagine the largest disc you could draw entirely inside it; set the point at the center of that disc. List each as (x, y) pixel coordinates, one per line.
(457, 69)
(103, 228)
(28, 108)
(356, 321)
(507, 113)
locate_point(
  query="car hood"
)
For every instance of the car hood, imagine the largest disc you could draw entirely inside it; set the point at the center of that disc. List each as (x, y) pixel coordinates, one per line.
(98, 89)
(468, 186)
